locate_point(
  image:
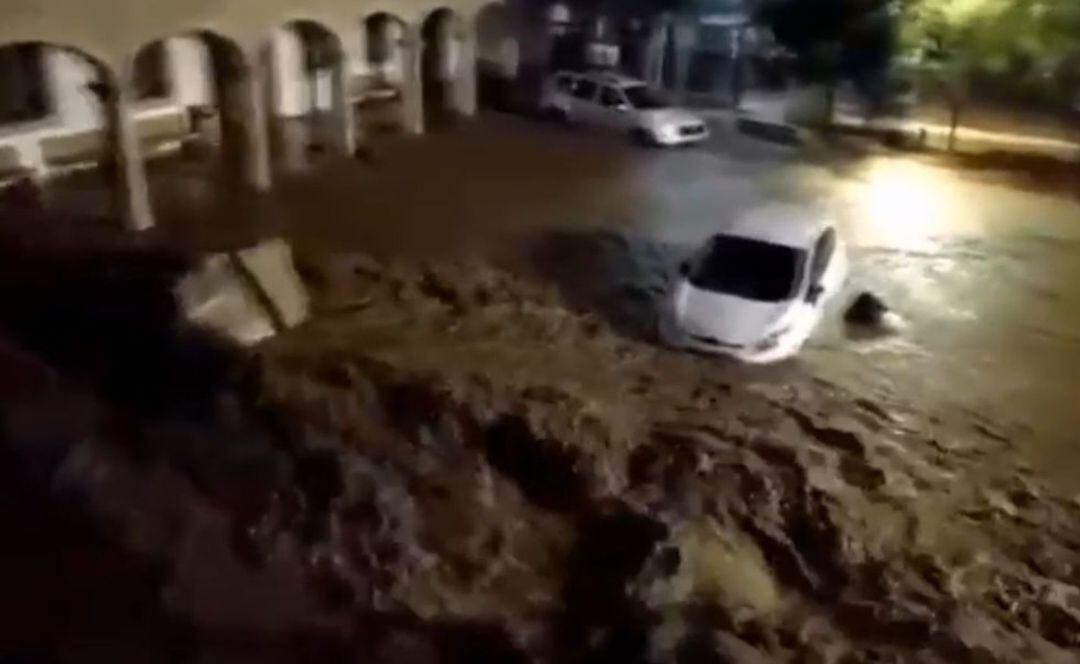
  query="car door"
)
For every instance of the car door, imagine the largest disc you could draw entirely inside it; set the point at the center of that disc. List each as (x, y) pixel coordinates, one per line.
(824, 277)
(614, 110)
(583, 106)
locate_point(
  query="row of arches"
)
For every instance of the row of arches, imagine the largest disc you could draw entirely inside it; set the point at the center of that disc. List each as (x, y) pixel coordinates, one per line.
(241, 111)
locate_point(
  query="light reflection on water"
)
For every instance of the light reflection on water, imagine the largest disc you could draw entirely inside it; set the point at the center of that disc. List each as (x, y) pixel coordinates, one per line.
(988, 278)
(904, 206)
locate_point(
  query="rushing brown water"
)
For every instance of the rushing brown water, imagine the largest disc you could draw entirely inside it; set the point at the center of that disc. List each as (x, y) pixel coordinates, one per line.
(475, 452)
(987, 277)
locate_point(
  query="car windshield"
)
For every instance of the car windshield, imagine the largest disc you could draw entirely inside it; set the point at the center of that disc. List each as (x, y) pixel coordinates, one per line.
(642, 97)
(751, 269)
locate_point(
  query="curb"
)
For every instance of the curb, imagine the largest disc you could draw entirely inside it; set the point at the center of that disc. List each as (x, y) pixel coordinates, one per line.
(776, 132)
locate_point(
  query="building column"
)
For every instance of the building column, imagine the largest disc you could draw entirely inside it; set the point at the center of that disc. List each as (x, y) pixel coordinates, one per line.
(245, 132)
(685, 34)
(344, 114)
(464, 80)
(653, 50)
(131, 191)
(737, 78)
(412, 87)
(252, 87)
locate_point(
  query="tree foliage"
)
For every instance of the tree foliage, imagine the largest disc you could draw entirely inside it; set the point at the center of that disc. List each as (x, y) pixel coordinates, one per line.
(1010, 47)
(834, 39)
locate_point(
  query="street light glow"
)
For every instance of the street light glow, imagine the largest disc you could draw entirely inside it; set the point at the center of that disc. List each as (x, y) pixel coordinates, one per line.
(905, 205)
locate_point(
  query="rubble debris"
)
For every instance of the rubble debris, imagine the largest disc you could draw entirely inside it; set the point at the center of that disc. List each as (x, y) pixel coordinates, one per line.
(521, 486)
(248, 295)
(871, 312)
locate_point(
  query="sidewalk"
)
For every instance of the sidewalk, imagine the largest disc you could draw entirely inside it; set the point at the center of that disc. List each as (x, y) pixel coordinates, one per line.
(771, 109)
(967, 139)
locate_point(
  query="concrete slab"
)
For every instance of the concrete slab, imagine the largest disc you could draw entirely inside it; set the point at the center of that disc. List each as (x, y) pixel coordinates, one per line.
(247, 295)
(269, 266)
(215, 296)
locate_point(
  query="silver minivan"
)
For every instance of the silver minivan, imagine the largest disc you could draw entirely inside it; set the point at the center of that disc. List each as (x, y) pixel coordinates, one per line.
(615, 102)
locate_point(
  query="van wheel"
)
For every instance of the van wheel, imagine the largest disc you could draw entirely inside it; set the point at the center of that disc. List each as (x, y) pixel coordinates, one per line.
(558, 116)
(642, 137)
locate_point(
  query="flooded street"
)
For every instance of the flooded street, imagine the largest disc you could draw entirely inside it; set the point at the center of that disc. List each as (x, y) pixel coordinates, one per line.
(474, 449)
(989, 280)
(986, 276)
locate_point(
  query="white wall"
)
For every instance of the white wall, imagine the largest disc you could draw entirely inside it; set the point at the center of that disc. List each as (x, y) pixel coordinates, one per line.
(290, 91)
(393, 70)
(500, 55)
(76, 109)
(292, 85)
(449, 50)
(190, 71)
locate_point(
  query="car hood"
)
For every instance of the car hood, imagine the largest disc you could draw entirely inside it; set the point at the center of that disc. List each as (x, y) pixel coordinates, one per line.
(670, 117)
(727, 319)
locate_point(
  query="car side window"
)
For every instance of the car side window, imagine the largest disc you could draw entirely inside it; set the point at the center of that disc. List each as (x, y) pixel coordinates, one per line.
(611, 98)
(585, 89)
(566, 83)
(823, 253)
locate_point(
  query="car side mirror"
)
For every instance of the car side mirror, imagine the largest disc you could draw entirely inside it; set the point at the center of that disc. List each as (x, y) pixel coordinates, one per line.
(814, 294)
(684, 268)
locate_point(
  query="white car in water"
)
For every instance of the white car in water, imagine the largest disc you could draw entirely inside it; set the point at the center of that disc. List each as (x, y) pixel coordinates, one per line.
(757, 291)
(612, 101)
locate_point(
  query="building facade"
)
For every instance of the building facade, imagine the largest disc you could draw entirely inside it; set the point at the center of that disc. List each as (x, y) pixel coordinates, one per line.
(707, 50)
(114, 82)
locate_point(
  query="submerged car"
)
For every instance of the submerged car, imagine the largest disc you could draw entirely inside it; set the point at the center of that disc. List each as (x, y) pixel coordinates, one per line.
(757, 291)
(620, 103)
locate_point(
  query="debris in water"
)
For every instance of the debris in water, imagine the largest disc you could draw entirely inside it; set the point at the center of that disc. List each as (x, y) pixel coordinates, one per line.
(870, 311)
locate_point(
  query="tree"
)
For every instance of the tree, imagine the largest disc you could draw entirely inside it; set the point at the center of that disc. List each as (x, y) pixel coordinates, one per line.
(1020, 48)
(835, 39)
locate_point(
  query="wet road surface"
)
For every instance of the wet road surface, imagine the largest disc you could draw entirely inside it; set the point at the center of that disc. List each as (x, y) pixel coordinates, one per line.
(986, 277)
(771, 497)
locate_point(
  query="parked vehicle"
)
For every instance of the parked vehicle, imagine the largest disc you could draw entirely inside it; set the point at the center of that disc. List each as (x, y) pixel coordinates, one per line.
(757, 291)
(620, 103)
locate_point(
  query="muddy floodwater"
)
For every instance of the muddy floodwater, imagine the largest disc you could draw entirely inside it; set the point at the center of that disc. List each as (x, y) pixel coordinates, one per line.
(986, 277)
(985, 274)
(475, 451)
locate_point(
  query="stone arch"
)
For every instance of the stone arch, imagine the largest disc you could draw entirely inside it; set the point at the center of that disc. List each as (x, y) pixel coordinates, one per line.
(81, 140)
(151, 77)
(388, 53)
(445, 63)
(221, 111)
(310, 92)
(36, 75)
(498, 56)
(215, 116)
(634, 34)
(566, 38)
(384, 37)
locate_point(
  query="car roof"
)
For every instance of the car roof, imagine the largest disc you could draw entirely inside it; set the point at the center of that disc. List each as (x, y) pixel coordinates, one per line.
(786, 224)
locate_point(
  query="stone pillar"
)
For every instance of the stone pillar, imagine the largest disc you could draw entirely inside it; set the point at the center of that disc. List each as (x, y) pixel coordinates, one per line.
(343, 113)
(412, 86)
(464, 79)
(655, 37)
(685, 34)
(252, 86)
(290, 138)
(242, 109)
(128, 170)
(737, 79)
